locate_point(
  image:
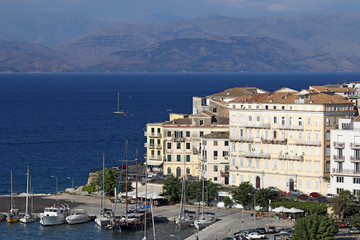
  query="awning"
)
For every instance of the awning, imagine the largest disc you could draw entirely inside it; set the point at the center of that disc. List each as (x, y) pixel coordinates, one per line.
(154, 162)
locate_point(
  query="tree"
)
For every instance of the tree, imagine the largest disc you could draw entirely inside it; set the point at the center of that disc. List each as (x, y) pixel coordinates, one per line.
(172, 188)
(343, 204)
(194, 190)
(314, 227)
(111, 181)
(354, 220)
(226, 201)
(262, 198)
(244, 194)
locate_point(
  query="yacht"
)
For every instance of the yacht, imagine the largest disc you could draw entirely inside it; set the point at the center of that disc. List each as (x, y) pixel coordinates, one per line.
(54, 215)
(105, 218)
(78, 216)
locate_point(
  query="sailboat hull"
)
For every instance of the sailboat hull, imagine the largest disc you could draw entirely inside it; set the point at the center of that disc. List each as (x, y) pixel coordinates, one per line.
(12, 219)
(27, 220)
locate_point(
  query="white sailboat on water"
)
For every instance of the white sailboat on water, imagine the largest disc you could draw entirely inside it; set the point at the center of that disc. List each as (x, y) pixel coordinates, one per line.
(13, 214)
(118, 111)
(28, 217)
(106, 215)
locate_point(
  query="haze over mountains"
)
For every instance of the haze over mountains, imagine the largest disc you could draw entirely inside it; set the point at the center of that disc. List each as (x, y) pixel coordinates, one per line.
(209, 43)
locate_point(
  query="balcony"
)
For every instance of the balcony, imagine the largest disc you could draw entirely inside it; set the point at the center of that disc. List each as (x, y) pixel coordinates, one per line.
(158, 146)
(256, 125)
(224, 173)
(152, 134)
(274, 140)
(155, 158)
(178, 139)
(291, 127)
(339, 145)
(355, 145)
(345, 171)
(290, 157)
(241, 139)
(306, 142)
(256, 155)
(355, 159)
(338, 158)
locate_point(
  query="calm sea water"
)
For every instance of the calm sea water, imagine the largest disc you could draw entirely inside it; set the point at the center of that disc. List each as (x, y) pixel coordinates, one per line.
(61, 124)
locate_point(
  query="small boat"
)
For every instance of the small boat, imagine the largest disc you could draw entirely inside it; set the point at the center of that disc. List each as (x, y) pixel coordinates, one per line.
(28, 217)
(78, 216)
(119, 112)
(13, 214)
(54, 215)
(2, 217)
(205, 220)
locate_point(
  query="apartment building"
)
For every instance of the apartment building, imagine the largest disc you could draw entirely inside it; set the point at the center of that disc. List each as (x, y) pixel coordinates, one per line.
(182, 141)
(345, 156)
(215, 157)
(282, 139)
(154, 146)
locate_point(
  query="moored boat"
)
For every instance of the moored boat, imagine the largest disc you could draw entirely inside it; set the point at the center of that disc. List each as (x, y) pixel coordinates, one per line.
(205, 220)
(54, 215)
(13, 214)
(28, 217)
(78, 216)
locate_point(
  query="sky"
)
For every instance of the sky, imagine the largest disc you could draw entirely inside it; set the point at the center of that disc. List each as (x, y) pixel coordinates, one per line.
(120, 10)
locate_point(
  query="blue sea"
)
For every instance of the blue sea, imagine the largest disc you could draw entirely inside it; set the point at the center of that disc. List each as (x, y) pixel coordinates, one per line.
(61, 124)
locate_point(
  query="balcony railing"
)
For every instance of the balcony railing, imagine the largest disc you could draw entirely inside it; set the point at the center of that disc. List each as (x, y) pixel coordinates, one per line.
(355, 158)
(152, 134)
(293, 127)
(345, 171)
(256, 155)
(339, 144)
(155, 158)
(178, 139)
(338, 158)
(355, 145)
(256, 125)
(306, 142)
(241, 139)
(224, 173)
(158, 146)
(274, 140)
(291, 157)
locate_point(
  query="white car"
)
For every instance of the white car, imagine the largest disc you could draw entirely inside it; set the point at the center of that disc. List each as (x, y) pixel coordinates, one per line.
(255, 235)
(330, 195)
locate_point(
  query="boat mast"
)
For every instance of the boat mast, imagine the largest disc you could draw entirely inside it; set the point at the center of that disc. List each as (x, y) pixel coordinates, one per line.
(27, 192)
(202, 195)
(146, 178)
(102, 188)
(126, 180)
(118, 103)
(11, 205)
(136, 199)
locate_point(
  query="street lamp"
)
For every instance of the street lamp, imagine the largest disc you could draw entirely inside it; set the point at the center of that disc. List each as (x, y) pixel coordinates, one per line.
(72, 182)
(254, 207)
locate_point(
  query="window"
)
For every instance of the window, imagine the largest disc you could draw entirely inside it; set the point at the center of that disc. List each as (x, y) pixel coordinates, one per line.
(317, 166)
(282, 107)
(274, 107)
(214, 110)
(241, 162)
(215, 168)
(249, 163)
(274, 119)
(275, 164)
(215, 179)
(178, 134)
(299, 166)
(258, 118)
(215, 143)
(178, 172)
(328, 121)
(188, 171)
(187, 133)
(308, 166)
(169, 170)
(308, 121)
(257, 163)
(225, 153)
(341, 179)
(317, 185)
(178, 145)
(169, 158)
(188, 158)
(291, 165)
(215, 154)
(266, 107)
(283, 164)
(308, 184)
(250, 118)
(300, 122)
(187, 145)
(275, 181)
(356, 180)
(241, 118)
(266, 163)
(338, 190)
(226, 143)
(299, 183)
(168, 145)
(178, 158)
(201, 122)
(201, 133)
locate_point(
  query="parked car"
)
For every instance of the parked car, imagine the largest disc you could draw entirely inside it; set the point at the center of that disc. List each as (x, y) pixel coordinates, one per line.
(295, 192)
(271, 229)
(330, 195)
(315, 194)
(240, 237)
(242, 232)
(354, 230)
(261, 230)
(322, 199)
(283, 236)
(286, 230)
(274, 189)
(256, 235)
(303, 197)
(342, 225)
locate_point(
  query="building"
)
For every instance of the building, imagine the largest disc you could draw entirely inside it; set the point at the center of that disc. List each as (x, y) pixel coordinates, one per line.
(215, 157)
(154, 146)
(345, 156)
(282, 139)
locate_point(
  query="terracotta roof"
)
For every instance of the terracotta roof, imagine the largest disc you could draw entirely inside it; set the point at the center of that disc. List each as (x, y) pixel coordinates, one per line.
(334, 89)
(217, 135)
(237, 92)
(285, 89)
(357, 119)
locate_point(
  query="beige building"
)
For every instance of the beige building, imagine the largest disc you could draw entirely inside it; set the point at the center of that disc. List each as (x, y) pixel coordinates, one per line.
(182, 138)
(282, 139)
(215, 157)
(154, 146)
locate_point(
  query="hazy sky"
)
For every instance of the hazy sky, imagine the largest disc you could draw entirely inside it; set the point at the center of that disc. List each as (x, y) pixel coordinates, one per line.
(114, 10)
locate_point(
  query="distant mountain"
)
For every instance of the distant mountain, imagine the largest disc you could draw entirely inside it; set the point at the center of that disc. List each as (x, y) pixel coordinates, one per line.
(234, 54)
(30, 57)
(48, 30)
(329, 42)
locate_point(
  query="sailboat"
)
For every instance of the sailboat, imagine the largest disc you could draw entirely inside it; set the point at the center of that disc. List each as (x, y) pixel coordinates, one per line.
(185, 218)
(13, 214)
(28, 218)
(106, 215)
(206, 218)
(119, 112)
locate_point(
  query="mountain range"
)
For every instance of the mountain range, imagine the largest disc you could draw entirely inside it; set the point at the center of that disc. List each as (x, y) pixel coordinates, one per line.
(210, 43)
